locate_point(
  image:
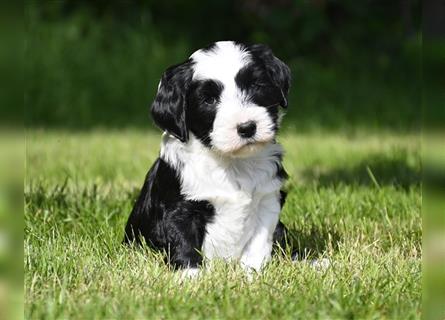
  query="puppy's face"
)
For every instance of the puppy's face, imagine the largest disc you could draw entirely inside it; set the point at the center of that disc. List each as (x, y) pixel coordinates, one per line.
(228, 95)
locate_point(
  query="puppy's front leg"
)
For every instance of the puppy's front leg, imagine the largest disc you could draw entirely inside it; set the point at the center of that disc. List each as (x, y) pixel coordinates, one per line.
(259, 248)
(184, 243)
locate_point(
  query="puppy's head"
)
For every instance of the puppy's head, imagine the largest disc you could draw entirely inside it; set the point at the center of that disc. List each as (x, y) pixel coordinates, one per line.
(227, 95)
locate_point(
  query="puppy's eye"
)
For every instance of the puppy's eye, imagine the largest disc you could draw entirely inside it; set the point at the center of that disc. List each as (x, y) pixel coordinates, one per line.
(210, 100)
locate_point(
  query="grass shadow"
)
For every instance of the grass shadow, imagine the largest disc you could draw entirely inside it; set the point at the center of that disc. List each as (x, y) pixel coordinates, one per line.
(307, 242)
(399, 169)
(313, 242)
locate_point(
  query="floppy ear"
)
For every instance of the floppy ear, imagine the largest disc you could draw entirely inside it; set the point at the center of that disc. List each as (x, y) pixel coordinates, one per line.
(278, 71)
(168, 108)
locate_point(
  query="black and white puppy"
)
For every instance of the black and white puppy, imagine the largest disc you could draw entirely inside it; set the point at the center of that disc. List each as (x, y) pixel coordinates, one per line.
(214, 191)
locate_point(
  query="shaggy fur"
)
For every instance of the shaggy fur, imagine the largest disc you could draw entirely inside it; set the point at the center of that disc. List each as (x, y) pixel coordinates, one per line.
(214, 191)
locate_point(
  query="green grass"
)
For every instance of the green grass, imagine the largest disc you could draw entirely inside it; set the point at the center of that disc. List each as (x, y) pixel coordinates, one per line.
(354, 198)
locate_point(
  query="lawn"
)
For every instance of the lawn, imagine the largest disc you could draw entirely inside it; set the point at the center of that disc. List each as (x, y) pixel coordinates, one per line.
(354, 197)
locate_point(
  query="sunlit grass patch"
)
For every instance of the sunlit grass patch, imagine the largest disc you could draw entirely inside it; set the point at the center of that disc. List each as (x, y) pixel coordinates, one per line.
(80, 188)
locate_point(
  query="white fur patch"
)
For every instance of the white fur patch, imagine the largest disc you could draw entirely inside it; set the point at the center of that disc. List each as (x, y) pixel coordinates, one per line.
(224, 135)
(222, 63)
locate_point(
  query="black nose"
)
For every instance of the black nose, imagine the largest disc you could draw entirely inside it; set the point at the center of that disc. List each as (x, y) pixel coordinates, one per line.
(246, 129)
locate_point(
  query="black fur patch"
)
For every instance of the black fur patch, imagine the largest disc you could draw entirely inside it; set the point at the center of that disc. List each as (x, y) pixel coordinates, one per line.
(283, 196)
(280, 233)
(202, 101)
(281, 173)
(266, 81)
(279, 236)
(254, 80)
(166, 220)
(169, 107)
(277, 70)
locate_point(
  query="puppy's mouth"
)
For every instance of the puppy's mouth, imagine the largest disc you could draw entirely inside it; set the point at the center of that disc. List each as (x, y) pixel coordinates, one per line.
(249, 147)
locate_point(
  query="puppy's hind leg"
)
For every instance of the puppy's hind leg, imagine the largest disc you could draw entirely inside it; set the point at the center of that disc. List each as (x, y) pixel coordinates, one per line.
(280, 237)
(280, 233)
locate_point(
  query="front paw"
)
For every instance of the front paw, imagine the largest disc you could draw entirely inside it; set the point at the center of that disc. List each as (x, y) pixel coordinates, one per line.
(250, 271)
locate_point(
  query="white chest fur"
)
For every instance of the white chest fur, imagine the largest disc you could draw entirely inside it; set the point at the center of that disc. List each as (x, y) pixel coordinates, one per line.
(243, 191)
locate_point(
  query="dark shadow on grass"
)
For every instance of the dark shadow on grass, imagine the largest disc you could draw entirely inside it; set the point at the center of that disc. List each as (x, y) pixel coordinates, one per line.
(398, 169)
(310, 244)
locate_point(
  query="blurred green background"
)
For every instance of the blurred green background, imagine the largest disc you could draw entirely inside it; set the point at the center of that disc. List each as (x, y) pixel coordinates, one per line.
(355, 64)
